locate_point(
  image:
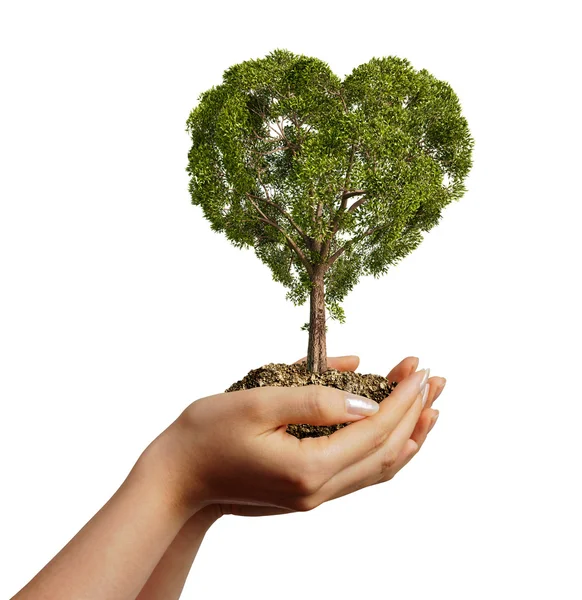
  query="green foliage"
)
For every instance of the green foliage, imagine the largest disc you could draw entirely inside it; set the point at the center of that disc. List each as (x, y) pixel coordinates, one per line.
(279, 143)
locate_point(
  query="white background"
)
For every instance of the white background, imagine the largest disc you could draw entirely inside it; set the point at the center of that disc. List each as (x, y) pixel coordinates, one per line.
(120, 306)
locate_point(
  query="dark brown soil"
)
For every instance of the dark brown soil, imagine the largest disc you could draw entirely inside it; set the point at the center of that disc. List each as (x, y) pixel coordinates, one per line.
(375, 387)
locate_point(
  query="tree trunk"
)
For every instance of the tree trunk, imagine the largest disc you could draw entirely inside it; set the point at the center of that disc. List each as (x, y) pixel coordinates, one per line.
(316, 351)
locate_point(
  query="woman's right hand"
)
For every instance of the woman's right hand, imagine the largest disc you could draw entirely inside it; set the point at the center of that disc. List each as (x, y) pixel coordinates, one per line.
(232, 449)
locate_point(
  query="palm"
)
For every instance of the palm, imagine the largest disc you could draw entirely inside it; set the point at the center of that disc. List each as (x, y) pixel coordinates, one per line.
(344, 363)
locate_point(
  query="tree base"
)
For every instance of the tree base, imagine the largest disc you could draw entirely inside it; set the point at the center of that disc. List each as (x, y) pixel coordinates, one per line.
(374, 387)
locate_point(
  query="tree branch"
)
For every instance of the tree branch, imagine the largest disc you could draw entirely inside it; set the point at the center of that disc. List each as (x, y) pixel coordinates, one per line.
(336, 219)
(354, 240)
(269, 151)
(354, 193)
(303, 235)
(359, 202)
(290, 242)
(317, 244)
(334, 257)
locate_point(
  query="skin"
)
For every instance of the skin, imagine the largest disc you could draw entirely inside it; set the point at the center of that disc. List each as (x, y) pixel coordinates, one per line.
(143, 541)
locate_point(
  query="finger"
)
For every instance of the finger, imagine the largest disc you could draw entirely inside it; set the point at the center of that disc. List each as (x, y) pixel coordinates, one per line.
(434, 389)
(274, 407)
(425, 422)
(437, 386)
(409, 451)
(412, 449)
(358, 440)
(341, 363)
(403, 369)
(375, 468)
(422, 425)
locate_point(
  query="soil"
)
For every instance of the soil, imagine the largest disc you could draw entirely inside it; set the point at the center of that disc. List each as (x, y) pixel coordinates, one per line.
(374, 387)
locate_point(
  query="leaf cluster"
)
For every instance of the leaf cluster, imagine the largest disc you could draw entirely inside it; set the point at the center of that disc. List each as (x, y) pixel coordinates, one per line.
(323, 175)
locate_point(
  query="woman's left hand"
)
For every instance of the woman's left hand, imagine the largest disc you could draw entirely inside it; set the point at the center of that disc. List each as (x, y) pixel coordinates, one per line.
(424, 424)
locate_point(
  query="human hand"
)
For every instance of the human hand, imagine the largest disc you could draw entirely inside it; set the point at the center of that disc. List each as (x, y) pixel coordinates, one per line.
(423, 426)
(232, 451)
(427, 418)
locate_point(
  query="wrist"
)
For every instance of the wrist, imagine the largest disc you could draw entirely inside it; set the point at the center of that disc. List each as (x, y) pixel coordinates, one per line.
(209, 514)
(167, 463)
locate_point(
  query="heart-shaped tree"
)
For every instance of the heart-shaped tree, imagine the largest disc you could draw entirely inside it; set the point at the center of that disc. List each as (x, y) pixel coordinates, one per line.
(283, 146)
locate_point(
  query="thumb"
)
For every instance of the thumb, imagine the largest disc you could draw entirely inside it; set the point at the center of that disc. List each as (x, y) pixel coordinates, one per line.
(315, 405)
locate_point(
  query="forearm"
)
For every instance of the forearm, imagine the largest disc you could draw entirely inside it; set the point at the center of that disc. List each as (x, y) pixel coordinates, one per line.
(114, 554)
(168, 578)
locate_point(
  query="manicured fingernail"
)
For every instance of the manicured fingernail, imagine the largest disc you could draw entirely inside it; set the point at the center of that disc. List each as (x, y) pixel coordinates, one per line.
(359, 405)
(434, 420)
(425, 393)
(423, 380)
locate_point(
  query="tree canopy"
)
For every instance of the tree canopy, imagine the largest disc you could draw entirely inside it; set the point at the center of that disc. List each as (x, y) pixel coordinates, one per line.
(323, 175)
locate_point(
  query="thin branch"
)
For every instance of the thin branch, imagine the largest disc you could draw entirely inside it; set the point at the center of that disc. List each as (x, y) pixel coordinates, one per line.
(373, 230)
(273, 129)
(290, 241)
(337, 216)
(339, 252)
(260, 114)
(355, 205)
(269, 151)
(303, 235)
(282, 130)
(308, 241)
(317, 244)
(267, 122)
(342, 99)
(345, 194)
(259, 171)
(334, 257)
(354, 193)
(290, 145)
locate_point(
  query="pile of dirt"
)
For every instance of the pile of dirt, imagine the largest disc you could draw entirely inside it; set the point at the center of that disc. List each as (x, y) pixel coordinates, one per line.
(374, 387)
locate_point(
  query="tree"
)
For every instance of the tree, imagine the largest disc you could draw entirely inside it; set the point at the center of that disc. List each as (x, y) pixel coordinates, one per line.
(327, 180)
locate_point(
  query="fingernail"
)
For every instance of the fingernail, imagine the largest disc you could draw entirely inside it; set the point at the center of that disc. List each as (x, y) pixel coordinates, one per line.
(425, 393)
(434, 420)
(359, 405)
(422, 382)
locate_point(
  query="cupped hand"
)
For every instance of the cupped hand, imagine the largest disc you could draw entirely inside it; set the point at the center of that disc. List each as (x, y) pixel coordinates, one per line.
(426, 420)
(233, 456)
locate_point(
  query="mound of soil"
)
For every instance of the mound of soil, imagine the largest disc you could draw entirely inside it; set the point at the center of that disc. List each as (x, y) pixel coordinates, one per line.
(374, 387)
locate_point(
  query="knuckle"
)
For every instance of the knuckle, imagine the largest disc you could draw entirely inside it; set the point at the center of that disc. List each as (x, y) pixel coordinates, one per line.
(306, 476)
(307, 483)
(315, 401)
(385, 475)
(295, 477)
(388, 460)
(305, 503)
(379, 439)
(252, 404)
